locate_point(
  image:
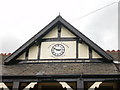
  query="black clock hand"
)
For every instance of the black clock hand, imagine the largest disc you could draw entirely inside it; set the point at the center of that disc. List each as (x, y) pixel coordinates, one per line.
(57, 49)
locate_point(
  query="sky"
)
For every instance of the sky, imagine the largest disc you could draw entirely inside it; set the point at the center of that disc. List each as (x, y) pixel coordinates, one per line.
(21, 19)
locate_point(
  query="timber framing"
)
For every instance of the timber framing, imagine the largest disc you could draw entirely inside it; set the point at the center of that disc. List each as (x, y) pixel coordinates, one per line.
(85, 77)
(38, 37)
(58, 39)
(61, 61)
(39, 48)
(80, 80)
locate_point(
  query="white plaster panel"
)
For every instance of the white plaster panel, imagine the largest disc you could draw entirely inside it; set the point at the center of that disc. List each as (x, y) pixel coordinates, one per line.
(70, 50)
(21, 57)
(33, 52)
(52, 34)
(66, 33)
(95, 54)
(83, 50)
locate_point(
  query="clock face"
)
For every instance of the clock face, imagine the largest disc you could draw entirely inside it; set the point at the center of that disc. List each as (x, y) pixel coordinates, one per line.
(58, 50)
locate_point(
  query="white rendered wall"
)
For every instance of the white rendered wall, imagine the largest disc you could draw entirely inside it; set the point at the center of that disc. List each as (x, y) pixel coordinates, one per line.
(22, 57)
(95, 55)
(52, 34)
(83, 51)
(70, 50)
(33, 52)
(66, 33)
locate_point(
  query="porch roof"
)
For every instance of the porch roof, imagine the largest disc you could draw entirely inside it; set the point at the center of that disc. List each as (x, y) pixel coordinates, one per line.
(60, 69)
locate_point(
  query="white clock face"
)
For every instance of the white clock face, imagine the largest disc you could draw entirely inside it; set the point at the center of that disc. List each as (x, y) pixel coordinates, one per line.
(58, 50)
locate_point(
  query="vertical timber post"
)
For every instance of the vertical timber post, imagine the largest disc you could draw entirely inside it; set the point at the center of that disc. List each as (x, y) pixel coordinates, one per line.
(118, 29)
(15, 85)
(90, 53)
(59, 31)
(80, 84)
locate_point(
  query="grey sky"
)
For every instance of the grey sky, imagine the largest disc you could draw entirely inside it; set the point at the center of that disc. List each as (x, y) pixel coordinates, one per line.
(21, 19)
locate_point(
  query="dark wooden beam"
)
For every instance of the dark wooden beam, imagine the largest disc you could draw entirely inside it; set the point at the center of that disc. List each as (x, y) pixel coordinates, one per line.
(80, 84)
(57, 61)
(77, 49)
(59, 31)
(15, 85)
(36, 43)
(99, 79)
(80, 40)
(66, 80)
(85, 77)
(26, 55)
(39, 49)
(58, 39)
(90, 53)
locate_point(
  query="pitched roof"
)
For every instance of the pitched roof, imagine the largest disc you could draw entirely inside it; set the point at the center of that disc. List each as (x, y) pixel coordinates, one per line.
(60, 69)
(46, 29)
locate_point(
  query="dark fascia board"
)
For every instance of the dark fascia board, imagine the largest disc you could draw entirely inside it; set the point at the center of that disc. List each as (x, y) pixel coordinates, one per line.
(63, 76)
(86, 40)
(40, 34)
(32, 40)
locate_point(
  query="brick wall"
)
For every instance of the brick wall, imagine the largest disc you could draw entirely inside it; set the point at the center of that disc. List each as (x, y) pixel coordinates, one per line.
(115, 54)
(3, 56)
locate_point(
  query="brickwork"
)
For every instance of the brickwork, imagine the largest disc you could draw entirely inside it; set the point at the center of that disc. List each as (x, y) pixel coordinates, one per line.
(114, 54)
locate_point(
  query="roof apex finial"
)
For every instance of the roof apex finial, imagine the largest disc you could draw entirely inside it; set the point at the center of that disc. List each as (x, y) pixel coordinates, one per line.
(59, 13)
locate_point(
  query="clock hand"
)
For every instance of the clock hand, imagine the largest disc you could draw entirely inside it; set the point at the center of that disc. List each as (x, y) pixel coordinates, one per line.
(57, 49)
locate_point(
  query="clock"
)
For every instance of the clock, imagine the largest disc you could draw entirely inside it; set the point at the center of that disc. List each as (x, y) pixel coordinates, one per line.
(58, 50)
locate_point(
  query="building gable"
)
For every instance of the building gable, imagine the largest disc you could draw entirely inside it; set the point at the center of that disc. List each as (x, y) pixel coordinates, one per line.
(59, 42)
(65, 33)
(52, 34)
